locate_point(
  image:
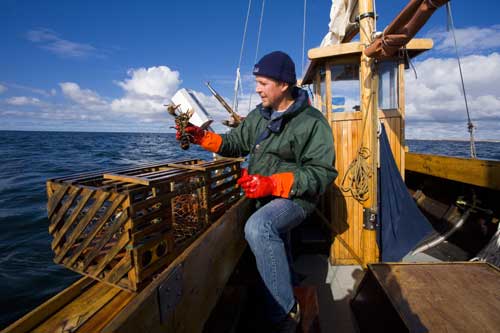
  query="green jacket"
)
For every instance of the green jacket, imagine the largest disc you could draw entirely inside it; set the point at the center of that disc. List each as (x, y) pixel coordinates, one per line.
(299, 141)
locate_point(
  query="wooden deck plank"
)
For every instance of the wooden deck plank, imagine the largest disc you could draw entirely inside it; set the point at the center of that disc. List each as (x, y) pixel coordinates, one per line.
(107, 313)
(41, 313)
(443, 297)
(80, 310)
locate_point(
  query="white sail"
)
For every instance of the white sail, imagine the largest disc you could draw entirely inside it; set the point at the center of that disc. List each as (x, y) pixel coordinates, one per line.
(342, 17)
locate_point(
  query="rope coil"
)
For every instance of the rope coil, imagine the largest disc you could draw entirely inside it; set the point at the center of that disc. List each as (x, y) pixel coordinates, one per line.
(356, 178)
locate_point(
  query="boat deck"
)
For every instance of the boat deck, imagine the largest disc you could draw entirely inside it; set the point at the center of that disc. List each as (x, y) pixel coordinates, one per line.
(335, 288)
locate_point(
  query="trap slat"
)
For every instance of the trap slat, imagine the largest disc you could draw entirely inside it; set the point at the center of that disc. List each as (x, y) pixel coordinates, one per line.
(123, 225)
(90, 237)
(74, 192)
(128, 179)
(105, 239)
(80, 227)
(59, 234)
(189, 167)
(56, 198)
(119, 270)
(111, 254)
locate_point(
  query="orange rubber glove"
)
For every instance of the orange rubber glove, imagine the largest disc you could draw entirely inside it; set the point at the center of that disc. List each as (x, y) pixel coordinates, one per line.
(258, 186)
(207, 140)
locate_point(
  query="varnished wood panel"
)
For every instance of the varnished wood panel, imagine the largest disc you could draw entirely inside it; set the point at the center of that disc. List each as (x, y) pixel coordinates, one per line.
(469, 171)
(347, 130)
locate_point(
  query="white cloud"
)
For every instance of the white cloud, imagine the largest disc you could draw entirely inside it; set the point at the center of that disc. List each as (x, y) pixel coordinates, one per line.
(23, 100)
(49, 40)
(469, 40)
(146, 91)
(435, 105)
(158, 81)
(137, 106)
(27, 88)
(2, 88)
(85, 97)
(215, 110)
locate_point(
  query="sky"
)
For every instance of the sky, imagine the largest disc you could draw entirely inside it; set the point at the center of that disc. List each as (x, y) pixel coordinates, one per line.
(110, 66)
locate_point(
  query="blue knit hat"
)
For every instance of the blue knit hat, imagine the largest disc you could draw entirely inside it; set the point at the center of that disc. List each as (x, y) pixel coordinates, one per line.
(276, 65)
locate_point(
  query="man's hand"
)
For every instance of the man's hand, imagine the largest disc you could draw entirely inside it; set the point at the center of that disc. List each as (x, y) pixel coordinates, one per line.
(195, 133)
(256, 186)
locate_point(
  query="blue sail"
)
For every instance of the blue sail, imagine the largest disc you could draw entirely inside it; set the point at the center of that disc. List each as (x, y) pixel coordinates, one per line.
(401, 225)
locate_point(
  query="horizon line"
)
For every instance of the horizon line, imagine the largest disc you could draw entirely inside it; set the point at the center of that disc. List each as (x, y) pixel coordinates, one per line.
(152, 132)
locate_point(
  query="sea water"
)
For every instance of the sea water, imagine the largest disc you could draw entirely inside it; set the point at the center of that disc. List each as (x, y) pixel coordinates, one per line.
(27, 159)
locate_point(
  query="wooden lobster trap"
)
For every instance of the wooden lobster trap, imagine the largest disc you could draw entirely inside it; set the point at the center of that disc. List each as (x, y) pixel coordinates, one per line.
(124, 225)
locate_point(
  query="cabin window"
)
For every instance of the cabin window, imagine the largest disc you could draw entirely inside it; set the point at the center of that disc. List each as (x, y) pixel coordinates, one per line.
(388, 85)
(345, 88)
(323, 89)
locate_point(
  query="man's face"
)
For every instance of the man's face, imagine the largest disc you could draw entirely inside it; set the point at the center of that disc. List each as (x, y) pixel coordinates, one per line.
(271, 92)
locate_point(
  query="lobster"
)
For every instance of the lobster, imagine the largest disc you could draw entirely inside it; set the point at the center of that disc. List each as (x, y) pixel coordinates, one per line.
(181, 122)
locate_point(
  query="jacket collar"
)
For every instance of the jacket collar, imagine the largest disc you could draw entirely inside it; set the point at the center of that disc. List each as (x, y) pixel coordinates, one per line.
(277, 124)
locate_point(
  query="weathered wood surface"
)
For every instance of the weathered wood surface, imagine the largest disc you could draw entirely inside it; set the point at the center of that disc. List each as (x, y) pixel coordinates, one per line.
(438, 297)
(79, 311)
(34, 318)
(206, 265)
(478, 172)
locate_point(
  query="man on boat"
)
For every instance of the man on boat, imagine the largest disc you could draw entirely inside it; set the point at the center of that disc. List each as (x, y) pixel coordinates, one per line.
(291, 157)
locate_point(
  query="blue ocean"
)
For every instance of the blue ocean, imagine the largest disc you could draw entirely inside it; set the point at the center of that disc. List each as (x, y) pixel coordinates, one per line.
(28, 159)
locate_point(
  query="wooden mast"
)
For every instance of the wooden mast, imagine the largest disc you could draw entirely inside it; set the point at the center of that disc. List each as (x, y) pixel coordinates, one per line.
(369, 105)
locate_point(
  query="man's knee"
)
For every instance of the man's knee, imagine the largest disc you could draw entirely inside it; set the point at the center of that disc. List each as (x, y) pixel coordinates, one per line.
(254, 230)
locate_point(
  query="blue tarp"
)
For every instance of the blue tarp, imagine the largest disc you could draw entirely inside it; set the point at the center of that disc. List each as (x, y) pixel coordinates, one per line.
(401, 225)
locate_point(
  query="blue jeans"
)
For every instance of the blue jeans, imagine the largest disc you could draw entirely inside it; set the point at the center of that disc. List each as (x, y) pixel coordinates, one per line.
(265, 231)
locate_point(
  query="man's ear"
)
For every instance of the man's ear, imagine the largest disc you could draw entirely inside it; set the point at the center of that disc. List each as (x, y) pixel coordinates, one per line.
(284, 86)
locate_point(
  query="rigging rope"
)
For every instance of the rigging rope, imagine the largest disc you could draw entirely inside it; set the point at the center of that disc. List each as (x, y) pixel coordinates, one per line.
(257, 48)
(303, 37)
(470, 125)
(237, 83)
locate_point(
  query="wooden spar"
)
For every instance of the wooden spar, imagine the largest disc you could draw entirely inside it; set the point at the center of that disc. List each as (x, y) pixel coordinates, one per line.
(369, 103)
(414, 48)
